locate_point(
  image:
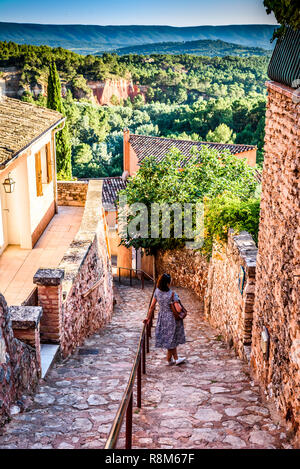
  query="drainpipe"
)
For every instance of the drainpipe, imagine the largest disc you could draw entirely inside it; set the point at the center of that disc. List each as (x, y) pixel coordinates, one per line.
(54, 132)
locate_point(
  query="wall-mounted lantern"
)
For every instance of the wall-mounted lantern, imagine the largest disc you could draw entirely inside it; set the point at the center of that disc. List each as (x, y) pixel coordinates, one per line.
(9, 185)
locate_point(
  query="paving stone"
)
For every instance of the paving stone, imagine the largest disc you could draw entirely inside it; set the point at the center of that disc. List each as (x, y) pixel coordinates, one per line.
(206, 434)
(65, 446)
(94, 399)
(82, 425)
(262, 438)
(44, 399)
(218, 390)
(207, 415)
(235, 442)
(233, 411)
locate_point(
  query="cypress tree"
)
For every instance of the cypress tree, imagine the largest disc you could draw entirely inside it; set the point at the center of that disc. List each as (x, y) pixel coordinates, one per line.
(63, 145)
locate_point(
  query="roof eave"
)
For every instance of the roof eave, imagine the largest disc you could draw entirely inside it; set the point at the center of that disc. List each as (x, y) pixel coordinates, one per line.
(4, 165)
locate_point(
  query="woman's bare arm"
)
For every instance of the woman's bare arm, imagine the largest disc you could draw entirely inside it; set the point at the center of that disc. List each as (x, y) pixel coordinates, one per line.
(151, 309)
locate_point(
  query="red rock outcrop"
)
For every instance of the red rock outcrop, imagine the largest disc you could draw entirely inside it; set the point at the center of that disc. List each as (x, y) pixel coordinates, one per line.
(120, 89)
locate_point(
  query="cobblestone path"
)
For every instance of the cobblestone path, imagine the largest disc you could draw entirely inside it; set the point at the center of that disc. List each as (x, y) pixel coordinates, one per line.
(208, 402)
(76, 404)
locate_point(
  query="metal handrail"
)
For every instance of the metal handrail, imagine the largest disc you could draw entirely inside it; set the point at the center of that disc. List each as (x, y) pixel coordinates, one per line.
(136, 271)
(126, 404)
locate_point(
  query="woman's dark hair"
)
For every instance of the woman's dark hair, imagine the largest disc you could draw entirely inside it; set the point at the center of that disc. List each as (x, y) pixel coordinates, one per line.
(163, 281)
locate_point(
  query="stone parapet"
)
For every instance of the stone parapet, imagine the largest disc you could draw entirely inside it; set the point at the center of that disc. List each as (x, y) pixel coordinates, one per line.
(48, 277)
(19, 362)
(25, 322)
(72, 193)
(229, 298)
(49, 282)
(86, 264)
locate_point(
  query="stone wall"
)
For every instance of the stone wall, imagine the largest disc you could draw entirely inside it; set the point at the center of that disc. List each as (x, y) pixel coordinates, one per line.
(87, 286)
(277, 303)
(19, 365)
(72, 193)
(187, 268)
(77, 298)
(229, 298)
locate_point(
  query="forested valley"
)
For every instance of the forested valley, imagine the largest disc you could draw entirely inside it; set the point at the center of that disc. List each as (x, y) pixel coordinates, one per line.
(220, 99)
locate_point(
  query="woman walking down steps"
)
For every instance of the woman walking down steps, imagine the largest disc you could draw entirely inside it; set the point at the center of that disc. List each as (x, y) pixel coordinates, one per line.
(169, 332)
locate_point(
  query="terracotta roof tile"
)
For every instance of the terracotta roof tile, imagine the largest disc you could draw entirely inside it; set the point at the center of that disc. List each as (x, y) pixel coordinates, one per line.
(158, 146)
(110, 189)
(21, 124)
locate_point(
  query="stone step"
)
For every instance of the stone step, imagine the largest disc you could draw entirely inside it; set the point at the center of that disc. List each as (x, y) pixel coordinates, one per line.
(48, 353)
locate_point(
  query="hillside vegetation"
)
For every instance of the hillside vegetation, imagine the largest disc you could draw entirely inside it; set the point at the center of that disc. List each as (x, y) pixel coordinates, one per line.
(208, 48)
(187, 96)
(90, 39)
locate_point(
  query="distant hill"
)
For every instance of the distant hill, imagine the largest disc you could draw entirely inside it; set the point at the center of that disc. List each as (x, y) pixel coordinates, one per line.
(201, 47)
(90, 39)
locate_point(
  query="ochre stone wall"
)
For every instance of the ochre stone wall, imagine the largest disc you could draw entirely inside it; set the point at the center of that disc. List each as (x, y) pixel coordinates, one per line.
(72, 193)
(277, 303)
(187, 268)
(229, 302)
(19, 367)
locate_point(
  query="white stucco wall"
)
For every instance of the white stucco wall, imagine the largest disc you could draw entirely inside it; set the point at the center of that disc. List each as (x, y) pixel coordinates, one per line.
(39, 205)
(23, 210)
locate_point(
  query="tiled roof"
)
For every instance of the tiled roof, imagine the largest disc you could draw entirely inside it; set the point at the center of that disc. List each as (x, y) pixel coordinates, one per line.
(158, 147)
(258, 176)
(110, 189)
(21, 124)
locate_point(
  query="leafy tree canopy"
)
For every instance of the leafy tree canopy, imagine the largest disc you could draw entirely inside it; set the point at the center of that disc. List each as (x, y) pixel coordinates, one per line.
(167, 182)
(287, 13)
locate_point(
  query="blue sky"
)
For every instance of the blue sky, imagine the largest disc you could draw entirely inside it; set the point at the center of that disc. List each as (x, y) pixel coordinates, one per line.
(165, 12)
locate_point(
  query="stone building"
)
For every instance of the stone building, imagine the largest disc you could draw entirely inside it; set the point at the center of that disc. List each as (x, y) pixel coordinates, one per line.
(276, 323)
(27, 176)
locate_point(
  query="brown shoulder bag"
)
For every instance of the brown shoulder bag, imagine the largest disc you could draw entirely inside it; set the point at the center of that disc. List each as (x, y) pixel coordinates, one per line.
(177, 315)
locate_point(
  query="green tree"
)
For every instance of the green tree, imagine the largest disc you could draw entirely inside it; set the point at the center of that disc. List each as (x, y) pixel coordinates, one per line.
(287, 13)
(166, 182)
(63, 145)
(221, 134)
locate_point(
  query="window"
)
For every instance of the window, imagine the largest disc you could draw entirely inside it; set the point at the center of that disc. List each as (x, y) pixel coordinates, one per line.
(38, 174)
(43, 168)
(49, 163)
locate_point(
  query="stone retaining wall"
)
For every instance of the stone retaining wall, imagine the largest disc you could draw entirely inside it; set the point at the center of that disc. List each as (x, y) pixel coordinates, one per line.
(19, 366)
(72, 308)
(277, 303)
(86, 263)
(187, 268)
(72, 193)
(229, 298)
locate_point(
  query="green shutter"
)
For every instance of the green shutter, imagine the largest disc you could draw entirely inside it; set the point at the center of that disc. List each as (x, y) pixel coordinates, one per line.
(284, 66)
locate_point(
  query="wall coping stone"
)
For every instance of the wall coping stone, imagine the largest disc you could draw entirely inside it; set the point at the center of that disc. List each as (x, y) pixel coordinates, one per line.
(280, 88)
(247, 249)
(83, 181)
(25, 317)
(48, 277)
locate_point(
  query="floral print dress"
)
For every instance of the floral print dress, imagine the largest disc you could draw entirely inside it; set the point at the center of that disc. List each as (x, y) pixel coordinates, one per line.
(168, 333)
